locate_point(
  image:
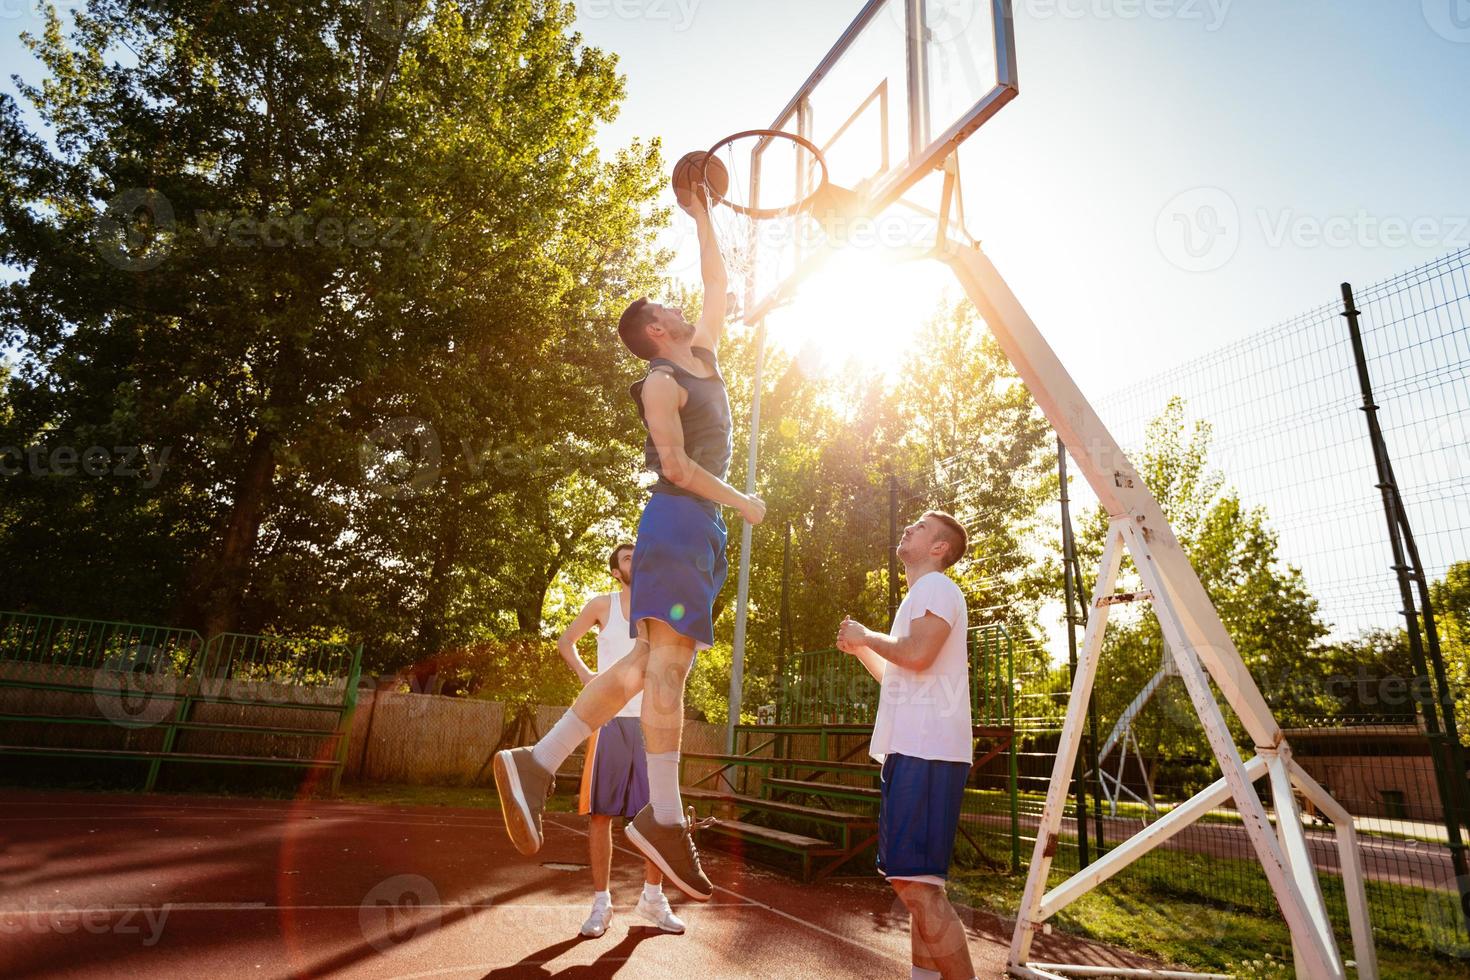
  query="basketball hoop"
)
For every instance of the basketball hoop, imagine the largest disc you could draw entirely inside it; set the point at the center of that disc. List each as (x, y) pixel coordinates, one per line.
(762, 187)
(774, 174)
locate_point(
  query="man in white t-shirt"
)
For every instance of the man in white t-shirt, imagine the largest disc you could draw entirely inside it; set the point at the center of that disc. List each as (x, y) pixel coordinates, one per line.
(615, 775)
(923, 739)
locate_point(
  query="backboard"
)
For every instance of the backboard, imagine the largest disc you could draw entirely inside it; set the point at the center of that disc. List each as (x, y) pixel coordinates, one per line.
(904, 86)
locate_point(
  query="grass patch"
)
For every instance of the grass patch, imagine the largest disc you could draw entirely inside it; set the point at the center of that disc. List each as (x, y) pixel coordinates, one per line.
(1156, 908)
(463, 797)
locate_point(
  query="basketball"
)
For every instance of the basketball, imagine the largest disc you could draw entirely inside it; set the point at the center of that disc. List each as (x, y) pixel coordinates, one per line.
(694, 172)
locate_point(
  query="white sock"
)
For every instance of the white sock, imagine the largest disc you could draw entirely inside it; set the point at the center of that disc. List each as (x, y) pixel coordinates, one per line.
(561, 742)
(663, 788)
(603, 898)
(919, 973)
(651, 893)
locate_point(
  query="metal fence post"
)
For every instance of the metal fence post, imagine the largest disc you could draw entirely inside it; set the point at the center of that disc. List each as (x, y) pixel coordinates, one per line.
(1428, 663)
(1070, 585)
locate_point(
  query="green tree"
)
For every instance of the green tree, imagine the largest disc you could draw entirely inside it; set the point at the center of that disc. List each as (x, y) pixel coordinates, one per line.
(1451, 599)
(827, 446)
(1264, 602)
(277, 230)
(973, 442)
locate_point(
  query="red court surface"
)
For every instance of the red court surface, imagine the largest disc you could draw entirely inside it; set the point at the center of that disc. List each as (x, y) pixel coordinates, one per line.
(111, 885)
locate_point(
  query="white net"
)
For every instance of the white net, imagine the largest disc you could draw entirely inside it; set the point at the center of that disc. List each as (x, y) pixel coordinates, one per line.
(761, 215)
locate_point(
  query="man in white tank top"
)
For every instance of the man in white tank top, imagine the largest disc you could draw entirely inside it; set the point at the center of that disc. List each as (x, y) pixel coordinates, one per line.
(615, 776)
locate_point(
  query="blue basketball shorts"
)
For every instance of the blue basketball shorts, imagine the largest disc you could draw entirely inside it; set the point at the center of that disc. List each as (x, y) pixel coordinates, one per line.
(919, 815)
(679, 566)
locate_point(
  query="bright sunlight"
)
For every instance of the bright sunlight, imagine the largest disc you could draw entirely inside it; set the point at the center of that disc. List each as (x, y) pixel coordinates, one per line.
(860, 313)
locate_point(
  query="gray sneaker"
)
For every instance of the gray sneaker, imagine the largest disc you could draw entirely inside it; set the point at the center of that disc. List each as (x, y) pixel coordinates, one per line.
(672, 850)
(523, 787)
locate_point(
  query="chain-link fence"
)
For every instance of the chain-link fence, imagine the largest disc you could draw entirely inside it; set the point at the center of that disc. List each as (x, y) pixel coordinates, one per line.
(1285, 408)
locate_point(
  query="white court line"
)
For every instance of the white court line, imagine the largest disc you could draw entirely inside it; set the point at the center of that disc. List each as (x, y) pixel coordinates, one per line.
(578, 907)
(755, 904)
(276, 811)
(332, 822)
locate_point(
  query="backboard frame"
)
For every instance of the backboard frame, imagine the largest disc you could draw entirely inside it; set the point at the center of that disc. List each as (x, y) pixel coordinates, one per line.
(927, 152)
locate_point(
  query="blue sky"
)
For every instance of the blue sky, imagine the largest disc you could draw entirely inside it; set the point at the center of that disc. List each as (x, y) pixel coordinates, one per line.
(1323, 141)
(1329, 138)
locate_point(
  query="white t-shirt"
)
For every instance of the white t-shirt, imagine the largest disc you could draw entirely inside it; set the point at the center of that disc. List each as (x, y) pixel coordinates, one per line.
(926, 714)
(613, 644)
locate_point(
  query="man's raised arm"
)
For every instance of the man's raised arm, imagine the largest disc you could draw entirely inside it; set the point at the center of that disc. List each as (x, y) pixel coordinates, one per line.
(711, 325)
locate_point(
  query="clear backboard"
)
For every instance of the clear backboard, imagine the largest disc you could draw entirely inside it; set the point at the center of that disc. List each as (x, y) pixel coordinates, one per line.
(905, 85)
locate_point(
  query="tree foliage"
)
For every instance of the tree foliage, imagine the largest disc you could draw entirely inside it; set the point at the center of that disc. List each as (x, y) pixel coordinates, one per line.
(355, 268)
(1263, 602)
(956, 430)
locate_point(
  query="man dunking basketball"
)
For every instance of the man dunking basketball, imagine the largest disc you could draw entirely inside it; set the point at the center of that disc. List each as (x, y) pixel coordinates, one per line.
(678, 568)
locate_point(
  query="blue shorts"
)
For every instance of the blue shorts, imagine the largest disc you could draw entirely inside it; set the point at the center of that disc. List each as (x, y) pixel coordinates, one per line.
(679, 566)
(919, 815)
(615, 776)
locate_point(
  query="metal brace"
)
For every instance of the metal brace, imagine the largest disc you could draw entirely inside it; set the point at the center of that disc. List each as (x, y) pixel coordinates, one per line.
(1123, 598)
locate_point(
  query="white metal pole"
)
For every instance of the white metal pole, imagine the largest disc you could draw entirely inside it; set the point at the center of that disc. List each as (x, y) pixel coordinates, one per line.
(742, 595)
(1030, 918)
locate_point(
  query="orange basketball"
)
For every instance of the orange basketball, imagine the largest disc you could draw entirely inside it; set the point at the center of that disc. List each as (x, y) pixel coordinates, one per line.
(696, 171)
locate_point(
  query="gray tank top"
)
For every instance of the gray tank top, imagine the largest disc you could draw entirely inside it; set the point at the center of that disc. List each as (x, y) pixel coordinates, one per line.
(706, 420)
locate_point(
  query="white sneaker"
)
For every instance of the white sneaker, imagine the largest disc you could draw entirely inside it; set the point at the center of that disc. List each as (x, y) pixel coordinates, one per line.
(597, 923)
(658, 912)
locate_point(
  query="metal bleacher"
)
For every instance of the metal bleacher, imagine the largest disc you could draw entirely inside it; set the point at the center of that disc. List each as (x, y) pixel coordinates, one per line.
(805, 788)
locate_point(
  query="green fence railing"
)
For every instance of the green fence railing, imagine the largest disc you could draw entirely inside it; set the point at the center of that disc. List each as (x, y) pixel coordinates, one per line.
(829, 687)
(161, 687)
(298, 661)
(93, 644)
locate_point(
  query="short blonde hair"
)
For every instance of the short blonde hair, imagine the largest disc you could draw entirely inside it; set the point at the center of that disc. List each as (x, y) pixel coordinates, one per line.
(953, 533)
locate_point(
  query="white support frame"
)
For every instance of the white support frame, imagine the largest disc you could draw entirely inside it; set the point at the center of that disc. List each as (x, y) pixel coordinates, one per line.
(1124, 734)
(1203, 652)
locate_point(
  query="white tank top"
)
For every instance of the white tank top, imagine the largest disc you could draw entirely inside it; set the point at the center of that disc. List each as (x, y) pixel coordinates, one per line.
(613, 644)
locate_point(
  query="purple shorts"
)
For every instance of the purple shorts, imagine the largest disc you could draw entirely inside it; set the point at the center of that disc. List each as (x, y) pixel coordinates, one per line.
(615, 777)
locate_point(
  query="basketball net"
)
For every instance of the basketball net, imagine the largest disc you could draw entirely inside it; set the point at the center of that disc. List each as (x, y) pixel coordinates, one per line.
(774, 176)
(736, 234)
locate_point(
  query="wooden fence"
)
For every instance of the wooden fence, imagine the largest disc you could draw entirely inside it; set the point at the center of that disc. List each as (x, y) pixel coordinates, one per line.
(422, 739)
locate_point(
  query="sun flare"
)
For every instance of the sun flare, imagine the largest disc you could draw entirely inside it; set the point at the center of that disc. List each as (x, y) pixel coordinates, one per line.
(861, 312)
